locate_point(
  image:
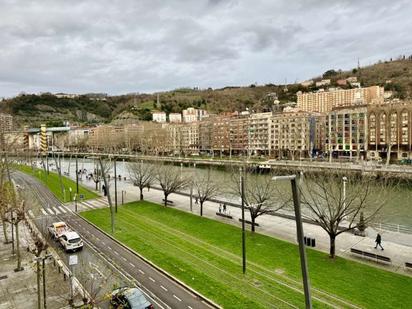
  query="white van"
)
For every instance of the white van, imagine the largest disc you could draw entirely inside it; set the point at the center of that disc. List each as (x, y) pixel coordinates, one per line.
(70, 241)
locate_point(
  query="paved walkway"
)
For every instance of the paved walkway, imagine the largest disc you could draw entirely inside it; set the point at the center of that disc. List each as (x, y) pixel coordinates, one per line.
(19, 289)
(398, 246)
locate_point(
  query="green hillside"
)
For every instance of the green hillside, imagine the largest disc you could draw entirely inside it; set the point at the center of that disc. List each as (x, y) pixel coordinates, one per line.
(393, 75)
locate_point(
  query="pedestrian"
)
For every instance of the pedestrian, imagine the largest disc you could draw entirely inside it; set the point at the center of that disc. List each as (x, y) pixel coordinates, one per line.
(148, 188)
(220, 208)
(224, 208)
(104, 190)
(196, 200)
(378, 241)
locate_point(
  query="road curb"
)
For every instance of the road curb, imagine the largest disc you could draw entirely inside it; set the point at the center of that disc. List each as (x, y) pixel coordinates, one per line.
(171, 277)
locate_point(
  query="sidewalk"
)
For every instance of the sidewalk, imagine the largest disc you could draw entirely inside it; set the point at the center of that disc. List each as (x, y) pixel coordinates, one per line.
(398, 246)
(19, 289)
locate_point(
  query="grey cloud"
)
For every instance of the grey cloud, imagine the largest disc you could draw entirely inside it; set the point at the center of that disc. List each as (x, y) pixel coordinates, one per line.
(123, 46)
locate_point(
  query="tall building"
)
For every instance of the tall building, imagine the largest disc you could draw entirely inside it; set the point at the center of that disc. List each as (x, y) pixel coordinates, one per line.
(324, 101)
(258, 133)
(346, 132)
(390, 131)
(293, 134)
(6, 123)
(175, 117)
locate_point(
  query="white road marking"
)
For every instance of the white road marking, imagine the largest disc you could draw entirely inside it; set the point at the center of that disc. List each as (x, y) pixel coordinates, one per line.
(67, 208)
(31, 213)
(176, 297)
(163, 288)
(132, 265)
(103, 243)
(109, 248)
(189, 307)
(141, 271)
(62, 209)
(49, 211)
(115, 252)
(124, 259)
(151, 279)
(43, 212)
(56, 211)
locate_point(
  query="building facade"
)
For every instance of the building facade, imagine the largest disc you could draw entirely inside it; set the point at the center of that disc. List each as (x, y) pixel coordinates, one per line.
(159, 117)
(6, 123)
(324, 101)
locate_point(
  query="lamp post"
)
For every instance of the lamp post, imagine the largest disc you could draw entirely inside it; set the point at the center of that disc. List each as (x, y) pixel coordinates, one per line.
(242, 196)
(344, 179)
(299, 231)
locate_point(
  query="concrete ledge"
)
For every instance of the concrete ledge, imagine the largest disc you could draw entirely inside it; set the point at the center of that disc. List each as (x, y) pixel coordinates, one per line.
(171, 277)
(248, 222)
(224, 215)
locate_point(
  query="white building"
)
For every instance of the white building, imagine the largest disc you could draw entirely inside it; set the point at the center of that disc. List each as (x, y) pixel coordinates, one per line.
(175, 117)
(159, 117)
(192, 114)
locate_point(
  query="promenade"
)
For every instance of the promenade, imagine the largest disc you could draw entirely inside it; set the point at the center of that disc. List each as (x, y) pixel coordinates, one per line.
(398, 246)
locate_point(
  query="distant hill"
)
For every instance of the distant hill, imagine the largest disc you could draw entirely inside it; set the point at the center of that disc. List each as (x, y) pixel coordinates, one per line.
(34, 109)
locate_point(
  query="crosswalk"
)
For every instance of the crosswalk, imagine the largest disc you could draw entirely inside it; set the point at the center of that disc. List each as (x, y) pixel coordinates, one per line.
(52, 210)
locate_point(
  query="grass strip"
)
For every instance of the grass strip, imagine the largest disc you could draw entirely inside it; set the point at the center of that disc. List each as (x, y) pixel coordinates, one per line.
(51, 181)
(211, 264)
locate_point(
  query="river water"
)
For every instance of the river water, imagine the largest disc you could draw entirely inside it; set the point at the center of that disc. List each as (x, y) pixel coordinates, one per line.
(397, 208)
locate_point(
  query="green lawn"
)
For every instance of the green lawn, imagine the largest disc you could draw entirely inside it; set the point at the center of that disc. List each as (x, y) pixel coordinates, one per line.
(52, 182)
(206, 255)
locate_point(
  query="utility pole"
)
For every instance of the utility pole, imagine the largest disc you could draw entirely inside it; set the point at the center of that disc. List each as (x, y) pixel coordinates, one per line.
(299, 232)
(77, 176)
(242, 190)
(115, 185)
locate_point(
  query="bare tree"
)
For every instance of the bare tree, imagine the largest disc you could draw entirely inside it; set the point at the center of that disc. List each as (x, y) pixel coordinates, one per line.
(142, 175)
(170, 180)
(337, 204)
(261, 195)
(205, 189)
(101, 168)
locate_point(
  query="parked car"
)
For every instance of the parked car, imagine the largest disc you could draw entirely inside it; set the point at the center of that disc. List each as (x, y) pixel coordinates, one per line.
(57, 229)
(129, 298)
(70, 241)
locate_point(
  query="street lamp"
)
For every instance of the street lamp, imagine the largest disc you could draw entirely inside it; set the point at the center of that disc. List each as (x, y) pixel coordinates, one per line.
(344, 179)
(299, 231)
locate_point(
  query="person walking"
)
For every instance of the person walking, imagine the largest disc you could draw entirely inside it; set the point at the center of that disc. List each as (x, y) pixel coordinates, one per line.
(224, 208)
(378, 241)
(104, 190)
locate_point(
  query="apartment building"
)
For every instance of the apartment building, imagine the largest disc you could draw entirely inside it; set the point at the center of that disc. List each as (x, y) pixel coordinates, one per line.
(159, 117)
(292, 134)
(193, 114)
(324, 101)
(205, 134)
(190, 138)
(175, 117)
(220, 134)
(238, 133)
(346, 131)
(390, 131)
(259, 134)
(6, 123)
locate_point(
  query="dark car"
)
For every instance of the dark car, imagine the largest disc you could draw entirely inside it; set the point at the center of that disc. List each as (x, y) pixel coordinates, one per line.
(129, 298)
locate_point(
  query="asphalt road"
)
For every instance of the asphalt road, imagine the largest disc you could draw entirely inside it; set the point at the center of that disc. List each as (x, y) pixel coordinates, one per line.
(105, 263)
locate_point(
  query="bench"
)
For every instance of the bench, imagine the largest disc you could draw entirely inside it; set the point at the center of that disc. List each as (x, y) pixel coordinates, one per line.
(408, 265)
(66, 174)
(169, 202)
(248, 222)
(224, 215)
(370, 255)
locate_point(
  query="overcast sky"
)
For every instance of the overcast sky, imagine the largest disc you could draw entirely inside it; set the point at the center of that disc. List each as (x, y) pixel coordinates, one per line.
(135, 45)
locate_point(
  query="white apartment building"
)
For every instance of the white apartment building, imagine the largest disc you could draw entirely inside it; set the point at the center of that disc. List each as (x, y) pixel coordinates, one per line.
(193, 114)
(258, 133)
(159, 117)
(175, 117)
(6, 122)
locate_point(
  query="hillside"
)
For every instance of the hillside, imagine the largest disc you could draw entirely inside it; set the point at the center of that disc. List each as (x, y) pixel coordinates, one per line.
(34, 109)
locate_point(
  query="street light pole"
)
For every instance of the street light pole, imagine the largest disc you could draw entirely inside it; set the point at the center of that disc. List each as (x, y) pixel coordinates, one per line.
(242, 193)
(77, 175)
(299, 231)
(344, 179)
(115, 185)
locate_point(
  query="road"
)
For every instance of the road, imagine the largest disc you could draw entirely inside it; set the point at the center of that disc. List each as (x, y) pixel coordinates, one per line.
(104, 257)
